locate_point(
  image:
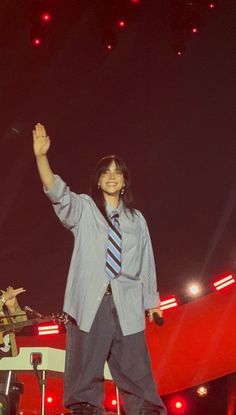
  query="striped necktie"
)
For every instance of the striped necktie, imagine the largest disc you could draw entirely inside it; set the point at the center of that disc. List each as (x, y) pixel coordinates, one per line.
(113, 260)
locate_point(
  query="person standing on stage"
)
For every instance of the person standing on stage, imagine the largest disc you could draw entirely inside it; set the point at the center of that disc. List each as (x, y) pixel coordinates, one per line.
(111, 282)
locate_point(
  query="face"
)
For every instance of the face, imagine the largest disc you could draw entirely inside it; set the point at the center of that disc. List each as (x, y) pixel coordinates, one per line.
(111, 181)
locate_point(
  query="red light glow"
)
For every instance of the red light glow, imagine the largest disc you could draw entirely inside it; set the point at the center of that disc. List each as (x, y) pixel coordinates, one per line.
(49, 329)
(221, 283)
(121, 23)
(109, 46)
(46, 17)
(212, 5)
(178, 405)
(111, 401)
(49, 399)
(195, 30)
(135, 1)
(37, 41)
(168, 303)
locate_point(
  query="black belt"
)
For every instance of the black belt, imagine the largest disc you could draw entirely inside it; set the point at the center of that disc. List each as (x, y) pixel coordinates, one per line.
(108, 289)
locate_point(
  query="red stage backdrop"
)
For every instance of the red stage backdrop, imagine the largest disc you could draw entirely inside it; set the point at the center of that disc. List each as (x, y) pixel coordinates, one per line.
(196, 344)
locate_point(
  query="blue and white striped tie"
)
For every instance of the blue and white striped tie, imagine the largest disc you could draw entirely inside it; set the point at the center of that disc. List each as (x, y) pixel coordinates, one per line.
(113, 260)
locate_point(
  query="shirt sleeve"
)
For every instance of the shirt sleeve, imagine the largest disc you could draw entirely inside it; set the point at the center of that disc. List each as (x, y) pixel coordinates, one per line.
(67, 205)
(151, 297)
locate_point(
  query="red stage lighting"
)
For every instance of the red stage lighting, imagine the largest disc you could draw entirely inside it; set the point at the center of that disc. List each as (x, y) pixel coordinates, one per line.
(49, 399)
(135, 1)
(46, 17)
(223, 282)
(121, 23)
(37, 41)
(178, 405)
(110, 402)
(109, 46)
(179, 48)
(194, 30)
(212, 5)
(109, 40)
(169, 302)
(48, 329)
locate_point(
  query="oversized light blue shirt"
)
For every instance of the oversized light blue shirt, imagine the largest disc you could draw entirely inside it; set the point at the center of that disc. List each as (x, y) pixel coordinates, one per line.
(134, 290)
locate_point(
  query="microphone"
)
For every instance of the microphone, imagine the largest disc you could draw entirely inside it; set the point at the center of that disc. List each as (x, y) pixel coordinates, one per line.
(31, 311)
(158, 319)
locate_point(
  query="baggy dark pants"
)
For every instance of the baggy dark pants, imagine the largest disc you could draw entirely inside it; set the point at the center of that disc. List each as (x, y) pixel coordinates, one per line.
(127, 357)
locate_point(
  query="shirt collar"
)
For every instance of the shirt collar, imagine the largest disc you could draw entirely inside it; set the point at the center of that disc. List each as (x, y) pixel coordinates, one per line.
(110, 210)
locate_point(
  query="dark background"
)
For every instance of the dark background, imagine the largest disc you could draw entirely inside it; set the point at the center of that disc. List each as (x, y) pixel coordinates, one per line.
(171, 118)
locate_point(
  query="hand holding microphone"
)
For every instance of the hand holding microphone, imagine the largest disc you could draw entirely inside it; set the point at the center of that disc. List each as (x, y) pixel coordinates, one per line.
(156, 315)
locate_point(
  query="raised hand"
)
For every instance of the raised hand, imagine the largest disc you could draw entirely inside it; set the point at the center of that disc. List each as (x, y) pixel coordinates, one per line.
(41, 141)
(10, 297)
(41, 146)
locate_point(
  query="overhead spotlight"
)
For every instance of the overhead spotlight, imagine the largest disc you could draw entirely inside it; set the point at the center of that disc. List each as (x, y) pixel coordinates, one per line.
(36, 36)
(202, 391)
(212, 5)
(194, 30)
(180, 52)
(37, 41)
(121, 23)
(179, 47)
(109, 41)
(109, 46)
(135, 1)
(46, 17)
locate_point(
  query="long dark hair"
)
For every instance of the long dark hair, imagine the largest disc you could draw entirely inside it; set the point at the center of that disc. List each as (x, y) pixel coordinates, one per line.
(97, 194)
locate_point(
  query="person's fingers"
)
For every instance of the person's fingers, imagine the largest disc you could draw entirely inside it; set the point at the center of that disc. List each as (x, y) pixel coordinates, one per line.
(150, 315)
(42, 130)
(19, 290)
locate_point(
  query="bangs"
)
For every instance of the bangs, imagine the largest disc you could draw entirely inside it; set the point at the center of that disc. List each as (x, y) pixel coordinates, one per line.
(105, 162)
